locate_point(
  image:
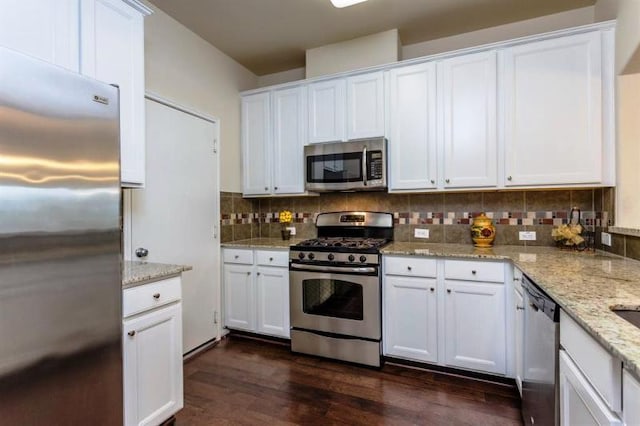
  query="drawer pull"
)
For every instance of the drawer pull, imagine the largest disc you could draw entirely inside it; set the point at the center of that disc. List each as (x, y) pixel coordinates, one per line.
(236, 256)
(432, 289)
(448, 290)
(248, 273)
(258, 273)
(132, 333)
(473, 272)
(519, 308)
(408, 268)
(271, 259)
(156, 296)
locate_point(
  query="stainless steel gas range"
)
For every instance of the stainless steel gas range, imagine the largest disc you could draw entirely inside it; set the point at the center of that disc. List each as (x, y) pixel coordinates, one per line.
(336, 287)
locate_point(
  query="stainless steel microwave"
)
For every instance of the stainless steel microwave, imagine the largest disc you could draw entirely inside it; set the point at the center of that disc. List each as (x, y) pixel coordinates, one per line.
(355, 165)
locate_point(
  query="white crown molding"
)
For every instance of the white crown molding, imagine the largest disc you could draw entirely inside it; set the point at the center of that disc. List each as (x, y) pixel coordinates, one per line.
(139, 6)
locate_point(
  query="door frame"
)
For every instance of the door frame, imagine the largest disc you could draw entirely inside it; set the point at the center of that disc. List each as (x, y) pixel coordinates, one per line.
(127, 198)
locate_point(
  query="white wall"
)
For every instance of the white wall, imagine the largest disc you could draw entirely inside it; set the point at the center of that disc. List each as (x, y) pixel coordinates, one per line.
(182, 67)
(527, 27)
(281, 77)
(627, 13)
(362, 52)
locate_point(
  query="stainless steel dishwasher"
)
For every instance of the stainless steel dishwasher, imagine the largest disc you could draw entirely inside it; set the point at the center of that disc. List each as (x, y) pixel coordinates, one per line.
(541, 343)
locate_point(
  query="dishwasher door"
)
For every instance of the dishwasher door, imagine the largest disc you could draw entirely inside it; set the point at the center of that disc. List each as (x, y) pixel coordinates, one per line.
(541, 344)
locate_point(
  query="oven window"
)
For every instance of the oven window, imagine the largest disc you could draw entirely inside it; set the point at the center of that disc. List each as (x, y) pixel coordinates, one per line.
(332, 298)
(334, 168)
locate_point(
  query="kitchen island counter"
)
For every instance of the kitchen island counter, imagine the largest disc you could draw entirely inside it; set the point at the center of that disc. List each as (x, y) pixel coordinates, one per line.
(585, 284)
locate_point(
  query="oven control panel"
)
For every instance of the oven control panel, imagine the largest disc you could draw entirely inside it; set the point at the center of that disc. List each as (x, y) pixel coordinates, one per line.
(328, 257)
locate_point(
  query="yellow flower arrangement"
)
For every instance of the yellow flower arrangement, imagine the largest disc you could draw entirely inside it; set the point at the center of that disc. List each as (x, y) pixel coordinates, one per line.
(568, 235)
(286, 217)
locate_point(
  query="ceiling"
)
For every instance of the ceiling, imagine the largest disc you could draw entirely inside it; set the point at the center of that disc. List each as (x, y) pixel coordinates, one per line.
(269, 36)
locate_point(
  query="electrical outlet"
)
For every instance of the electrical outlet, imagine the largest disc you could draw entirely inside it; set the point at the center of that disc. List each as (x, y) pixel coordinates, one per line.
(527, 235)
(292, 229)
(421, 233)
(606, 238)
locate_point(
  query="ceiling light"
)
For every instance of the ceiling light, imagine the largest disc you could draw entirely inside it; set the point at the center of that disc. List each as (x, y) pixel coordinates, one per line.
(345, 3)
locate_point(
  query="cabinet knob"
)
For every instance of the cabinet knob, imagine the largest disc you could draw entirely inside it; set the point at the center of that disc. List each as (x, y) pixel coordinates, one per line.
(132, 333)
(257, 273)
(509, 178)
(266, 188)
(447, 181)
(408, 268)
(432, 181)
(473, 271)
(156, 296)
(236, 256)
(448, 290)
(516, 279)
(248, 273)
(271, 259)
(142, 252)
(432, 289)
(275, 187)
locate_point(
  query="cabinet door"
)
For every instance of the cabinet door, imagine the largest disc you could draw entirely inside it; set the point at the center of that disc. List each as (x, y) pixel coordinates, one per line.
(467, 85)
(553, 111)
(45, 29)
(152, 366)
(519, 337)
(631, 399)
(365, 106)
(272, 285)
(112, 50)
(256, 144)
(475, 326)
(412, 119)
(289, 134)
(579, 402)
(239, 297)
(327, 101)
(410, 320)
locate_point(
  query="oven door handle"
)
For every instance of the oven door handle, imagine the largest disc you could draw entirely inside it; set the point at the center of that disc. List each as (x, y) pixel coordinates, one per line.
(343, 269)
(364, 166)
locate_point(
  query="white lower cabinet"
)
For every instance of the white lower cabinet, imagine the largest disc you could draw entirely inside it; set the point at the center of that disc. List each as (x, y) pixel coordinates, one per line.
(630, 399)
(411, 320)
(256, 291)
(475, 326)
(580, 404)
(518, 306)
(152, 352)
(462, 300)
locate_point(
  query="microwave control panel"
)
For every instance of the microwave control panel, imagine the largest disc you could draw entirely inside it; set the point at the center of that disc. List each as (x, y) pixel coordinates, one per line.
(375, 169)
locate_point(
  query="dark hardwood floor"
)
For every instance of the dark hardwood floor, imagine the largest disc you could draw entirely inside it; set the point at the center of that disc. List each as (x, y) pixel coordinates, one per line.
(249, 382)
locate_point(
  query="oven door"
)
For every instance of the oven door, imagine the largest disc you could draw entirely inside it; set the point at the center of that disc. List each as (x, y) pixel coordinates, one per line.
(335, 302)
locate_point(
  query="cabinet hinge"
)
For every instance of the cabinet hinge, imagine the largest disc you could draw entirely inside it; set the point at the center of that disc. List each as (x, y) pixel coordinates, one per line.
(215, 146)
(215, 317)
(215, 231)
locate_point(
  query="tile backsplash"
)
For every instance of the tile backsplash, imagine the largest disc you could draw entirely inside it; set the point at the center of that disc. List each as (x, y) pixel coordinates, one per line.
(446, 215)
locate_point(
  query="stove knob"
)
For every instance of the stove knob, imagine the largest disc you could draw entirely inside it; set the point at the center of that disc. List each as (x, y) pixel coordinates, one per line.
(351, 258)
(363, 259)
(331, 256)
(311, 256)
(301, 255)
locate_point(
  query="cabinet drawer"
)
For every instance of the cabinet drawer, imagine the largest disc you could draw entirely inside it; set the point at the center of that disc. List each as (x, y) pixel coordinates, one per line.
(600, 368)
(410, 266)
(272, 258)
(148, 296)
(238, 256)
(474, 271)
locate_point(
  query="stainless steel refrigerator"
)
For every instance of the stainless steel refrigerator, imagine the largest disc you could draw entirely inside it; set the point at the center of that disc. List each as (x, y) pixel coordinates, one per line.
(60, 247)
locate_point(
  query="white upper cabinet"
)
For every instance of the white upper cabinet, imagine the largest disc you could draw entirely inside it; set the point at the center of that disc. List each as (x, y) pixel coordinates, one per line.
(412, 120)
(553, 111)
(468, 111)
(327, 111)
(112, 50)
(365, 105)
(45, 29)
(273, 134)
(256, 143)
(289, 134)
(346, 108)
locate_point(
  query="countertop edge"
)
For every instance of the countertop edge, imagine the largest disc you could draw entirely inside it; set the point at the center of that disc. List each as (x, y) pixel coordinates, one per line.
(139, 273)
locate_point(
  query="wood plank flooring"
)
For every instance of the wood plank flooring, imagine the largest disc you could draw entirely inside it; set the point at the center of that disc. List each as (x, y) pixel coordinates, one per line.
(248, 382)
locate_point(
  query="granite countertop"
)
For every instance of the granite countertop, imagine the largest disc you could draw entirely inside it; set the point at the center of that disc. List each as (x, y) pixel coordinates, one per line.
(263, 243)
(584, 284)
(136, 273)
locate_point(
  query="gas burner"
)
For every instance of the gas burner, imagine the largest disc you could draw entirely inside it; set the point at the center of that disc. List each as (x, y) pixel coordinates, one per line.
(344, 243)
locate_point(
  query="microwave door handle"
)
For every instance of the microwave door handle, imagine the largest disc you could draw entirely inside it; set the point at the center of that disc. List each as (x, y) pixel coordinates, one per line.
(364, 166)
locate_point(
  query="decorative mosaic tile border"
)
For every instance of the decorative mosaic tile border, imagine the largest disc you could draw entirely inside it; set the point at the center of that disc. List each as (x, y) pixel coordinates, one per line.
(554, 218)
